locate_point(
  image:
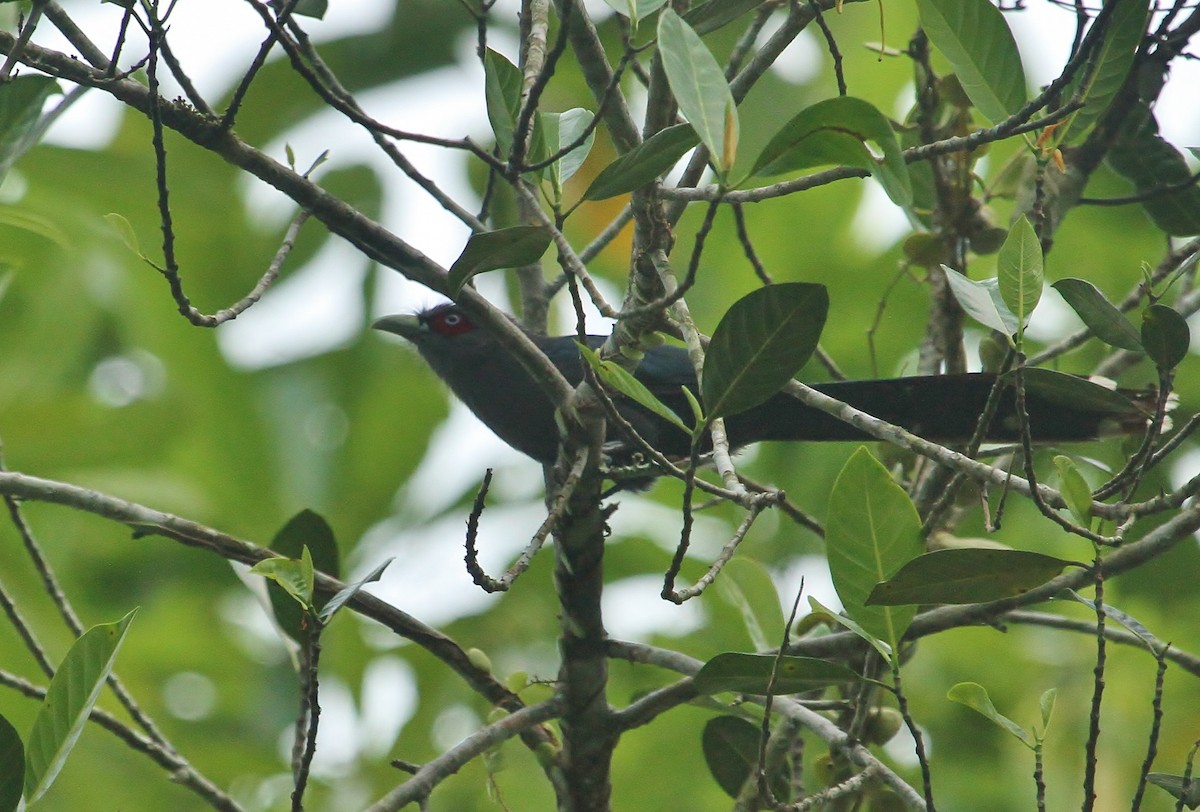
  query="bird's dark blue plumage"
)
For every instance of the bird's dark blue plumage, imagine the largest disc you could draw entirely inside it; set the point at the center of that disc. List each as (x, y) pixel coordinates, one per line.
(506, 398)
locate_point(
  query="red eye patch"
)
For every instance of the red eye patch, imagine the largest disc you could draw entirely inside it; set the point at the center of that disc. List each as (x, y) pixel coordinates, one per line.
(449, 322)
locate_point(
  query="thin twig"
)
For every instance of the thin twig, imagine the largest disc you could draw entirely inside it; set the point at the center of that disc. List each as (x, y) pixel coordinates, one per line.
(714, 569)
(1090, 758)
(1156, 706)
(834, 53)
(309, 718)
(432, 773)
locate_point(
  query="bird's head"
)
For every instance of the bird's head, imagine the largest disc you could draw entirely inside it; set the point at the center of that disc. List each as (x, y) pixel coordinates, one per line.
(444, 322)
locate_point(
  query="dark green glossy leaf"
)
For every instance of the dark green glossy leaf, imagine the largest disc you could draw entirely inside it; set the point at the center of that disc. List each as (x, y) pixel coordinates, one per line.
(621, 380)
(1101, 317)
(974, 37)
(975, 697)
(306, 530)
(1019, 270)
(304, 8)
(966, 575)
(1157, 169)
(714, 14)
(70, 698)
(747, 585)
(836, 131)
(871, 531)
(1076, 392)
(730, 746)
(643, 163)
(700, 88)
(503, 248)
(502, 93)
(12, 766)
(982, 301)
(751, 674)
(309, 529)
(1174, 784)
(761, 343)
(1075, 490)
(1165, 335)
(1113, 59)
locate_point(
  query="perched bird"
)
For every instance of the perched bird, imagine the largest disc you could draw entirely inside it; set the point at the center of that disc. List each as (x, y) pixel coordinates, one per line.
(943, 408)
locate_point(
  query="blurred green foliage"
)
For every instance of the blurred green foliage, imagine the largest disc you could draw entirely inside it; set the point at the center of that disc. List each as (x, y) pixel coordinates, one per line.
(341, 432)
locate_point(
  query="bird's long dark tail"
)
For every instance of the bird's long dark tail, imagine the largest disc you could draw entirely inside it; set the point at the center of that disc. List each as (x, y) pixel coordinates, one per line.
(946, 408)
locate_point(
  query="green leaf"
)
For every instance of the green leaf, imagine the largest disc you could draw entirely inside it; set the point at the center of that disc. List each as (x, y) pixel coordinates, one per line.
(1019, 270)
(70, 698)
(730, 745)
(125, 231)
(836, 131)
(714, 14)
(21, 102)
(294, 575)
(820, 610)
(975, 697)
(503, 248)
(1046, 705)
(760, 344)
(635, 10)
(700, 88)
(1075, 392)
(746, 585)
(12, 766)
(642, 164)
(694, 403)
(562, 130)
(307, 530)
(1075, 490)
(1174, 784)
(1113, 59)
(1101, 317)
(37, 224)
(1153, 166)
(974, 37)
(1165, 335)
(303, 8)
(982, 301)
(350, 590)
(502, 94)
(751, 674)
(621, 380)
(965, 575)
(1135, 626)
(871, 531)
